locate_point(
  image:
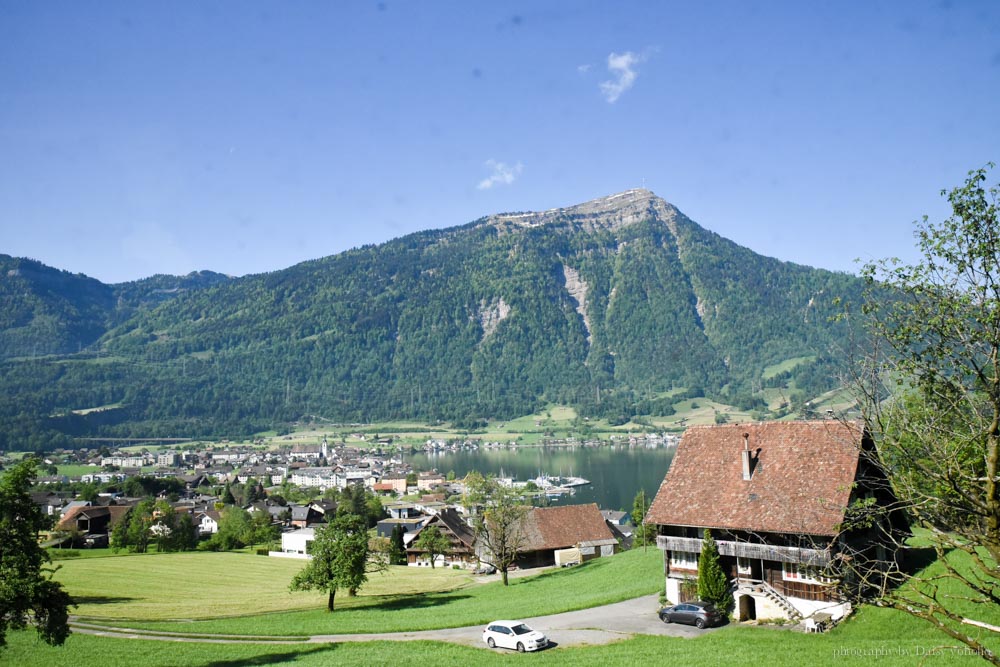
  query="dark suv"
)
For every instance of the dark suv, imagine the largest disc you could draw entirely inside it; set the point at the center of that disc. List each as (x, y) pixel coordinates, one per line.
(699, 614)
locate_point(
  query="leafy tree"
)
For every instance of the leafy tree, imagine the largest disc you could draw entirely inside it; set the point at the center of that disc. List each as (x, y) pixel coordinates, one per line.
(353, 501)
(713, 585)
(432, 541)
(499, 521)
(254, 491)
(931, 397)
(227, 496)
(261, 529)
(341, 559)
(235, 527)
(119, 534)
(235, 530)
(133, 488)
(133, 532)
(28, 595)
(644, 533)
(397, 548)
(164, 526)
(186, 533)
(373, 508)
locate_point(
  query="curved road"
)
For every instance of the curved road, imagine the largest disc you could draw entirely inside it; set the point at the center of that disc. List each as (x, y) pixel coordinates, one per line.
(598, 625)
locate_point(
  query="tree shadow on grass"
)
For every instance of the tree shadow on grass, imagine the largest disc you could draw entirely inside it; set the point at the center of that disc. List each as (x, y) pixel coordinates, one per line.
(271, 658)
(915, 559)
(100, 599)
(418, 601)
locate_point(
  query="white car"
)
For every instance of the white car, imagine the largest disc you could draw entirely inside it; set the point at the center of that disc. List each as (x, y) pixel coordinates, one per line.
(515, 635)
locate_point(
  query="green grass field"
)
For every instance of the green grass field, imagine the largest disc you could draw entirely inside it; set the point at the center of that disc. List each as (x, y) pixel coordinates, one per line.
(206, 585)
(872, 636)
(77, 469)
(786, 365)
(238, 594)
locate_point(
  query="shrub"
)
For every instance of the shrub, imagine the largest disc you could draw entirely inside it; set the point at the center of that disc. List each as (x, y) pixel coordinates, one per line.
(713, 585)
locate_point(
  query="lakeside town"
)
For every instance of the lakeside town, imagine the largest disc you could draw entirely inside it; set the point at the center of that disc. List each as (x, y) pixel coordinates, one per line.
(297, 486)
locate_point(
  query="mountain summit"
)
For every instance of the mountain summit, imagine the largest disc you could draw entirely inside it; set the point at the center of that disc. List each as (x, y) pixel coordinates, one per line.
(616, 306)
(609, 213)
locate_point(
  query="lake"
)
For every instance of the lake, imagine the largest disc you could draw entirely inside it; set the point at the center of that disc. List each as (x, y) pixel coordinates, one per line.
(616, 472)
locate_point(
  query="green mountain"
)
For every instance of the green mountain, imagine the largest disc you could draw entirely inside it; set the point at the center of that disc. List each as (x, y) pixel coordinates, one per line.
(46, 311)
(606, 306)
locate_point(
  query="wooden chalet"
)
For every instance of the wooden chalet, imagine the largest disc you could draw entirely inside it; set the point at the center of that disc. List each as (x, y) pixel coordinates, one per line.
(463, 538)
(774, 496)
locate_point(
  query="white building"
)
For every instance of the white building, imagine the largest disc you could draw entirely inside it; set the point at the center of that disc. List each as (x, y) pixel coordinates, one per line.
(322, 478)
(294, 544)
(126, 461)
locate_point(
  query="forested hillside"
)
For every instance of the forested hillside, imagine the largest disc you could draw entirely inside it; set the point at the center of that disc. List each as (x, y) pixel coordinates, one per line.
(605, 306)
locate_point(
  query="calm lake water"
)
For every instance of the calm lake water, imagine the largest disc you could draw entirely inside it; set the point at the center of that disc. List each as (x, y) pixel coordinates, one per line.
(616, 472)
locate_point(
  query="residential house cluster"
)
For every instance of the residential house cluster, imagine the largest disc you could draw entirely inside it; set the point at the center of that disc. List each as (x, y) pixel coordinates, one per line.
(563, 535)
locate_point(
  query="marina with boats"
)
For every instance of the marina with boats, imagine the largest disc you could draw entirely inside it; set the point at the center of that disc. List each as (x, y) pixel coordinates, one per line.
(610, 474)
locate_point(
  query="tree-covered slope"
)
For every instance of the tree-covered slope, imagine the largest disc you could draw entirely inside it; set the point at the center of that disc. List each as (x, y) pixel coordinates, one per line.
(46, 311)
(605, 306)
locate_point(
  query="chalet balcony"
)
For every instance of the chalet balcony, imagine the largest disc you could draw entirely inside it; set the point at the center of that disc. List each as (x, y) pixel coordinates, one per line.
(813, 557)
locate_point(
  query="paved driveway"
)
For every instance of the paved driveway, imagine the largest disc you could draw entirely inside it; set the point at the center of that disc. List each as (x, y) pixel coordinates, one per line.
(598, 625)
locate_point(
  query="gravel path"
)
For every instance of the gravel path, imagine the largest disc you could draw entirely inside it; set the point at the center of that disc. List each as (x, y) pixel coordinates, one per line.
(598, 625)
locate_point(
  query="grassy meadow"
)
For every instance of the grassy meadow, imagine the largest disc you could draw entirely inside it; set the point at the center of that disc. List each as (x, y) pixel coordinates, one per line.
(225, 593)
(872, 636)
(208, 585)
(245, 595)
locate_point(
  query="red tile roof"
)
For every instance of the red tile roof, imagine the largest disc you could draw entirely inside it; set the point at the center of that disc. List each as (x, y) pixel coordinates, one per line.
(801, 483)
(563, 527)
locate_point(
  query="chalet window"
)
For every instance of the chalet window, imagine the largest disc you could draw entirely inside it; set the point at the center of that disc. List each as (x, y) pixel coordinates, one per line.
(803, 574)
(743, 566)
(684, 559)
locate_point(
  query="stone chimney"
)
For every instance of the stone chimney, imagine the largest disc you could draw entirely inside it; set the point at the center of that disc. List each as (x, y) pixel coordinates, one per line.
(745, 454)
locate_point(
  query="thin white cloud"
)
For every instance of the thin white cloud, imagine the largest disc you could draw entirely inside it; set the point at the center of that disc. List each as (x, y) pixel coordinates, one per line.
(622, 67)
(503, 174)
(583, 69)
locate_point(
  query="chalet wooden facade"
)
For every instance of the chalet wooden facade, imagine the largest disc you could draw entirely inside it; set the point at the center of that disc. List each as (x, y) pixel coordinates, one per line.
(774, 496)
(461, 535)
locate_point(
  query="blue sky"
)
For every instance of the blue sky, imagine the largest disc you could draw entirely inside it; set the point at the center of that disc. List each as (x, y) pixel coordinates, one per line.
(140, 138)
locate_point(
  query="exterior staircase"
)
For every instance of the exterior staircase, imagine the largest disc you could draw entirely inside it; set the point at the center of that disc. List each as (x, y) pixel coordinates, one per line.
(755, 586)
(780, 600)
